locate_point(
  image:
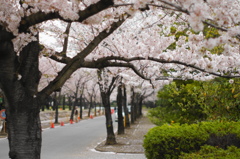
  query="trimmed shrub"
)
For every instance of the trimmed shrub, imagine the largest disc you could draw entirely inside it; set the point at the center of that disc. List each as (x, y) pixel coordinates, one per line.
(207, 151)
(169, 141)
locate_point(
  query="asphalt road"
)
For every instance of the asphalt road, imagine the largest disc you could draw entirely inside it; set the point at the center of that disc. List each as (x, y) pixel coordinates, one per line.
(74, 141)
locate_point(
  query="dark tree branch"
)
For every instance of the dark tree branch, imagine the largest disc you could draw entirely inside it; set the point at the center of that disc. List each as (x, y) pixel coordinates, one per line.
(37, 18)
(40, 17)
(125, 62)
(105, 63)
(144, 96)
(58, 58)
(65, 44)
(163, 7)
(170, 6)
(91, 46)
(189, 65)
(219, 28)
(76, 62)
(61, 56)
(113, 84)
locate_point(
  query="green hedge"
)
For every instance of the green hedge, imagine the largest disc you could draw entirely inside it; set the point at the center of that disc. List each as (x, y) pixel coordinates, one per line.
(206, 151)
(169, 141)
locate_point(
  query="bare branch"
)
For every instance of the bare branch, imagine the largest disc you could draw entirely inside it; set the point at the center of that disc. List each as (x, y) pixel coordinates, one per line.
(76, 62)
(40, 16)
(125, 4)
(125, 62)
(163, 7)
(144, 96)
(102, 63)
(113, 84)
(214, 26)
(219, 28)
(172, 6)
(65, 44)
(58, 57)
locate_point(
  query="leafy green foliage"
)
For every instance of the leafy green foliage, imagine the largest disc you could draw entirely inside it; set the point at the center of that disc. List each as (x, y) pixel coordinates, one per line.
(210, 32)
(195, 101)
(207, 151)
(172, 46)
(222, 100)
(169, 141)
(179, 102)
(177, 34)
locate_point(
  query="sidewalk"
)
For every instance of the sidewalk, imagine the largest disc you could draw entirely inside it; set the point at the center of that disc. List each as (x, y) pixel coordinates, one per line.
(131, 141)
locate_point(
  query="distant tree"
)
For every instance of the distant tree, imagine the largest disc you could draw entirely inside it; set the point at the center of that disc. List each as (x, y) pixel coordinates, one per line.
(107, 83)
(120, 109)
(125, 106)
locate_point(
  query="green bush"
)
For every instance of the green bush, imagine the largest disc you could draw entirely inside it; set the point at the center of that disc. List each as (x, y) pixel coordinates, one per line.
(195, 101)
(207, 151)
(169, 141)
(180, 101)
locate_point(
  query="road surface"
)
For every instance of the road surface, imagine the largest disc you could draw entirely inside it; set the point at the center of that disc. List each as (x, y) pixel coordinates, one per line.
(74, 141)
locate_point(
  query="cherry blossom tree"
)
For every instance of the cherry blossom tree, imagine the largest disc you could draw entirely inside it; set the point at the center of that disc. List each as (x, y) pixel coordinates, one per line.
(117, 34)
(86, 77)
(107, 82)
(20, 75)
(120, 109)
(92, 91)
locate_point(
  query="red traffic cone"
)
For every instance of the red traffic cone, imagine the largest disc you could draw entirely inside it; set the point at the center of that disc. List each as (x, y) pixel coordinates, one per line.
(62, 123)
(71, 121)
(52, 125)
(91, 116)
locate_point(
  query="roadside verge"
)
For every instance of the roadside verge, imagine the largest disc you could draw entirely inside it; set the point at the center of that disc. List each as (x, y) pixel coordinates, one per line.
(131, 141)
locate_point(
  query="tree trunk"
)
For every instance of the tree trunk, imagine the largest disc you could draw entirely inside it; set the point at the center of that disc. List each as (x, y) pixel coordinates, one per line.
(47, 102)
(73, 109)
(90, 107)
(69, 103)
(64, 102)
(56, 107)
(24, 131)
(140, 106)
(135, 100)
(120, 116)
(111, 140)
(43, 108)
(125, 107)
(132, 113)
(19, 78)
(132, 106)
(135, 108)
(95, 109)
(137, 105)
(56, 113)
(81, 105)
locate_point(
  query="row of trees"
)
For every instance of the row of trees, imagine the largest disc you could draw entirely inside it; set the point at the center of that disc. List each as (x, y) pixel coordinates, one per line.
(105, 33)
(107, 83)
